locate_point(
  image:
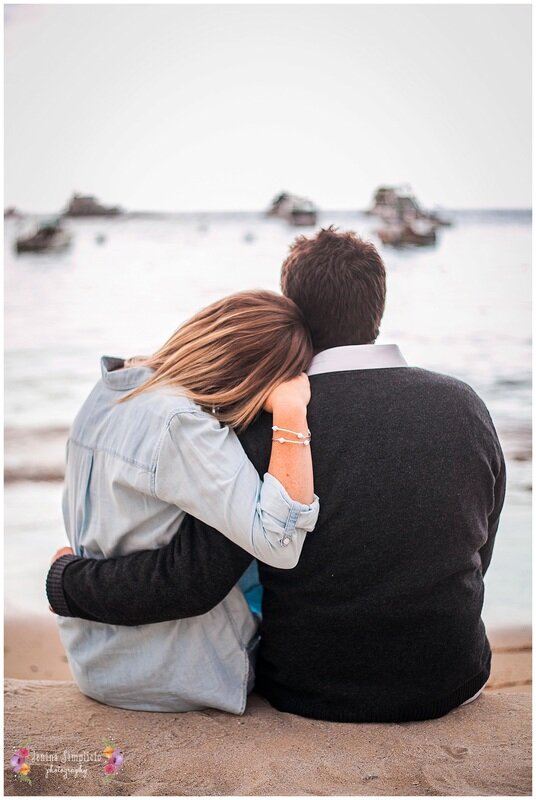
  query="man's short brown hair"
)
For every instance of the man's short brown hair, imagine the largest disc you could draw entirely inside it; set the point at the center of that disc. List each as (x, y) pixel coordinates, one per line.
(338, 281)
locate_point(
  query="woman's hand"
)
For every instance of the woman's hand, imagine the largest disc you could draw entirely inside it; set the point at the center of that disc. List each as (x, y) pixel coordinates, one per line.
(290, 394)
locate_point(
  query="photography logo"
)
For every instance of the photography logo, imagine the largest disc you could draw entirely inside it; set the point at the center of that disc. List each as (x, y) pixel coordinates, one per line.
(114, 758)
(19, 762)
(67, 764)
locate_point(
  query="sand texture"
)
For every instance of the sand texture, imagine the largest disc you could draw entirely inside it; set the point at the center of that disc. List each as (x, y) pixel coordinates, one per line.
(480, 749)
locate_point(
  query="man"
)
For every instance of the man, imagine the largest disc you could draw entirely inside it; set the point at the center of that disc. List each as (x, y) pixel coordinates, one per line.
(381, 619)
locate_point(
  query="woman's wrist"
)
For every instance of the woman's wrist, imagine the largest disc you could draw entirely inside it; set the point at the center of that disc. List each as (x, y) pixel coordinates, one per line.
(295, 409)
(290, 425)
(290, 464)
(293, 421)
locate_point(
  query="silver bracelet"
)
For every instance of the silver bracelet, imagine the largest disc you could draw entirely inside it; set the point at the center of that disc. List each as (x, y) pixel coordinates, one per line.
(296, 433)
(281, 440)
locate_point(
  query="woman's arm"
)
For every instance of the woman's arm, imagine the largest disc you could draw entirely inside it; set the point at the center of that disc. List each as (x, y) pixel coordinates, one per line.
(292, 464)
(202, 468)
(187, 577)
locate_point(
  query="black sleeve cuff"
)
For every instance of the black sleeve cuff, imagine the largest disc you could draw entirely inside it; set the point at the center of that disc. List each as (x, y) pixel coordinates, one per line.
(54, 585)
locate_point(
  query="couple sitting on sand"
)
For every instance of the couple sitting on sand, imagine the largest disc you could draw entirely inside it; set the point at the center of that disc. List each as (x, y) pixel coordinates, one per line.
(205, 563)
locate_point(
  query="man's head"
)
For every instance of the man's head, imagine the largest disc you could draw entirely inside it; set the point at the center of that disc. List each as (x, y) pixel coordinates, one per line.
(338, 281)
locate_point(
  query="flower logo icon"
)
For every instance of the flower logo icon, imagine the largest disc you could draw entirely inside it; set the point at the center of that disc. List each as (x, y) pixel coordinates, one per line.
(19, 762)
(114, 758)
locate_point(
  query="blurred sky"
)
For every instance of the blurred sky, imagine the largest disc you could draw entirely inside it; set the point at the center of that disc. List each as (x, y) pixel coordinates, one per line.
(188, 107)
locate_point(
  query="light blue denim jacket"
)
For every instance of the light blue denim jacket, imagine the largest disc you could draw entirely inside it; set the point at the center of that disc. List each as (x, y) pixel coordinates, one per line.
(133, 470)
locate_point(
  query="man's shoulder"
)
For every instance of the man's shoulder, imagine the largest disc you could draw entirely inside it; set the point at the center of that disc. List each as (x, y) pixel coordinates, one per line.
(414, 387)
(417, 377)
(428, 377)
(449, 387)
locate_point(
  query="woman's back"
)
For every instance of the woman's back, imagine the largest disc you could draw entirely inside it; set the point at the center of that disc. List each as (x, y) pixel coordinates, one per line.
(134, 469)
(141, 455)
(110, 507)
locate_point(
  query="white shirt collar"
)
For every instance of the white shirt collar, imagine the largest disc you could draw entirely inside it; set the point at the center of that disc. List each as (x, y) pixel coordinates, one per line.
(357, 356)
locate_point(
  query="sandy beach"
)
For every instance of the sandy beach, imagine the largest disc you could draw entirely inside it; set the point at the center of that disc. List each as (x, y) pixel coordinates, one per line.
(480, 749)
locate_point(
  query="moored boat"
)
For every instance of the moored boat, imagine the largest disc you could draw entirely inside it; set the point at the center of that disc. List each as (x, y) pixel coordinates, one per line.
(49, 237)
(87, 206)
(398, 204)
(413, 232)
(12, 213)
(278, 205)
(295, 210)
(303, 213)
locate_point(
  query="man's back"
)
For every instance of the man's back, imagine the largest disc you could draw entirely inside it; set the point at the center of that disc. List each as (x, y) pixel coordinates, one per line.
(380, 620)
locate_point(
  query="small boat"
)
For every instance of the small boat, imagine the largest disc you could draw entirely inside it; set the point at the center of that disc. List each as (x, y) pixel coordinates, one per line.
(100, 238)
(398, 203)
(303, 213)
(87, 206)
(384, 202)
(279, 205)
(12, 213)
(49, 237)
(296, 210)
(412, 232)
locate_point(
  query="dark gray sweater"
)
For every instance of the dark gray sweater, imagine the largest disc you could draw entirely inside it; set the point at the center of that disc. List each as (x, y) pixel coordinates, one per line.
(381, 619)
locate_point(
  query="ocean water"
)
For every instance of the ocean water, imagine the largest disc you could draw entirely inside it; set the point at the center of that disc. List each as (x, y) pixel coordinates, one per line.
(461, 307)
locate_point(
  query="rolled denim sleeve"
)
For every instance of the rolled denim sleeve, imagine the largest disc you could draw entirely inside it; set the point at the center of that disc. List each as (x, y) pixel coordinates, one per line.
(202, 468)
(289, 515)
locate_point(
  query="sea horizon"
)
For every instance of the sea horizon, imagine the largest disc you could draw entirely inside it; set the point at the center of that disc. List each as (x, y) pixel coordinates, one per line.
(255, 212)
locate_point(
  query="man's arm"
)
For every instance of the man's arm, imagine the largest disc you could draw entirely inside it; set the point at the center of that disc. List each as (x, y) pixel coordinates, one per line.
(486, 551)
(186, 578)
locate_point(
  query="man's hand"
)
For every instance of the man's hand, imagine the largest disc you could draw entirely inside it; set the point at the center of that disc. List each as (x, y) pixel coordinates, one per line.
(64, 551)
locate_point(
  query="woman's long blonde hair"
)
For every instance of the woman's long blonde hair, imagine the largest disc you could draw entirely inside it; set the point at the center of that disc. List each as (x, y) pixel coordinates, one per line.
(232, 354)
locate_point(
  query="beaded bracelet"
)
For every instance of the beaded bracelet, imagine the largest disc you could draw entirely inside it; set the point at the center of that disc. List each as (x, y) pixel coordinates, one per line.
(291, 441)
(296, 433)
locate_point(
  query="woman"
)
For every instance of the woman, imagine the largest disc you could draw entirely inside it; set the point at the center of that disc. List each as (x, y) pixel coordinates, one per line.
(156, 440)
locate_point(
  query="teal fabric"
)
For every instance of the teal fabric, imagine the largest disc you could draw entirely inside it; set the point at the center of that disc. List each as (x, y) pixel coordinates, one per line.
(250, 584)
